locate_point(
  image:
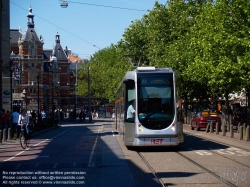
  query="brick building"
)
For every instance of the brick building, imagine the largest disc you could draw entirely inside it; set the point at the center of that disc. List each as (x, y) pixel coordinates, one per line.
(40, 78)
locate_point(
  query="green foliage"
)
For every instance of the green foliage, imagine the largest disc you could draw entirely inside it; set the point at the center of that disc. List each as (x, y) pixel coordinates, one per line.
(107, 68)
(211, 53)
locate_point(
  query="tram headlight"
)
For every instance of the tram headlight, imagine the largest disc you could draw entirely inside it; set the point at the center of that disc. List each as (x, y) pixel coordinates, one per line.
(140, 127)
(173, 127)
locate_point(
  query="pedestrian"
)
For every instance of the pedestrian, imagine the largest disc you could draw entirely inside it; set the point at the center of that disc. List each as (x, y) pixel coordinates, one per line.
(4, 121)
(90, 116)
(33, 117)
(9, 121)
(80, 115)
(84, 114)
(1, 127)
(56, 117)
(15, 116)
(43, 116)
(61, 114)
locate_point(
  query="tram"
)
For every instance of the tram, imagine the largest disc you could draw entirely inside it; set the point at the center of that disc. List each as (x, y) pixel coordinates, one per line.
(146, 108)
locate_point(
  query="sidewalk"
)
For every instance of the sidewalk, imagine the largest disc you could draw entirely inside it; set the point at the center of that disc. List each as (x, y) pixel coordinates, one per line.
(235, 141)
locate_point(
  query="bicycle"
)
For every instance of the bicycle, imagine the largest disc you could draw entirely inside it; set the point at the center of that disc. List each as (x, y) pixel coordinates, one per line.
(24, 137)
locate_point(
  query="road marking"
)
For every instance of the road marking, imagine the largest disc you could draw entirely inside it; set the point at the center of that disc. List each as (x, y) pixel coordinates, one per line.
(35, 145)
(13, 156)
(226, 151)
(202, 152)
(40, 143)
(90, 164)
(233, 151)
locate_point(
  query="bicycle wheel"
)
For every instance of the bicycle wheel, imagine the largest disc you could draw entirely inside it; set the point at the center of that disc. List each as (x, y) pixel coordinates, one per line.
(23, 141)
(28, 139)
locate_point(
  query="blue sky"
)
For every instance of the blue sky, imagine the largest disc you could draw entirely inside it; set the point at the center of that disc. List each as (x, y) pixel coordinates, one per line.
(81, 26)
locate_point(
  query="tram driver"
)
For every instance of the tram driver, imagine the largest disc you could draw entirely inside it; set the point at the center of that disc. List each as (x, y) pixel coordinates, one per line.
(131, 111)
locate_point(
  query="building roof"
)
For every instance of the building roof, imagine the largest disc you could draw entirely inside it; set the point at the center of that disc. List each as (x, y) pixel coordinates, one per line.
(58, 51)
(46, 54)
(15, 34)
(74, 58)
(31, 34)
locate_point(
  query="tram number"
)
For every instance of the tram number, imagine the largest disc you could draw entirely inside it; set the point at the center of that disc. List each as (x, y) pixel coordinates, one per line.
(156, 141)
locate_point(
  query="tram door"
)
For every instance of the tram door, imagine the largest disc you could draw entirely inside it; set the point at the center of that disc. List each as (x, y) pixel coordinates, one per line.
(130, 106)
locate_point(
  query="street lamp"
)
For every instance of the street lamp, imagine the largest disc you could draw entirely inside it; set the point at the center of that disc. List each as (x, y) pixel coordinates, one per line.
(38, 105)
(190, 18)
(24, 98)
(51, 69)
(76, 93)
(64, 4)
(11, 97)
(89, 92)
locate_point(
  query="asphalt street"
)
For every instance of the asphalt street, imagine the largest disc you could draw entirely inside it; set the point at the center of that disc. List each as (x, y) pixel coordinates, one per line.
(93, 154)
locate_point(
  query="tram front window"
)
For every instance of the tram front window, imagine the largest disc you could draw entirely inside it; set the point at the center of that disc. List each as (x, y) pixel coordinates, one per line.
(156, 101)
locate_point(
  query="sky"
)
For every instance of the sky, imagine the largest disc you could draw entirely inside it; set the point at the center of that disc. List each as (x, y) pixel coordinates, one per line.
(85, 26)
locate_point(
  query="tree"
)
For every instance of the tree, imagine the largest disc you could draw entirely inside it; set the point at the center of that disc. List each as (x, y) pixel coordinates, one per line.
(106, 70)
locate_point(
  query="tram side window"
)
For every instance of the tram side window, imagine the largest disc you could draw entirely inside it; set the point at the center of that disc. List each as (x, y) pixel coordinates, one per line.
(130, 101)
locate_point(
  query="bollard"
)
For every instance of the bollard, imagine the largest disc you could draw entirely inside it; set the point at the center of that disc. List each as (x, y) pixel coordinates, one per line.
(231, 131)
(241, 133)
(9, 134)
(238, 128)
(208, 125)
(0, 136)
(217, 128)
(4, 135)
(244, 126)
(247, 134)
(228, 127)
(211, 128)
(223, 130)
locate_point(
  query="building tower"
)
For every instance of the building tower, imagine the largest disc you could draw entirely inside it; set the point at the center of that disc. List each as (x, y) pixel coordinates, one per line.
(31, 65)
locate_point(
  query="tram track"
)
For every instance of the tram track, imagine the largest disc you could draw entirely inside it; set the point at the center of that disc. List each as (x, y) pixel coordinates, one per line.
(217, 176)
(151, 169)
(207, 170)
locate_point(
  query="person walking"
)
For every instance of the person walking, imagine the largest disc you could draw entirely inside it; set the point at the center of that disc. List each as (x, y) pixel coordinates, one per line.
(56, 117)
(43, 116)
(33, 117)
(4, 121)
(15, 116)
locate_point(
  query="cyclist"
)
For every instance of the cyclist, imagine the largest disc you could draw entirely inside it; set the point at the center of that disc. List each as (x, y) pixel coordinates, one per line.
(23, 121)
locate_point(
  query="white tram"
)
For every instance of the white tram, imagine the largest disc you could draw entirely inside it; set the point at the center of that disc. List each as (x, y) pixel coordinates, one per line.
(152, 118)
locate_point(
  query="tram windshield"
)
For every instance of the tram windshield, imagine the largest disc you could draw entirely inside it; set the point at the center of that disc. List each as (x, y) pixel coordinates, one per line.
(155, 100)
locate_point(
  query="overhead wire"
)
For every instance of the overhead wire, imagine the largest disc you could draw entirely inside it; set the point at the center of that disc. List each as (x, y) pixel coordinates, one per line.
(60, 27)
(107, 6)
(98, 5)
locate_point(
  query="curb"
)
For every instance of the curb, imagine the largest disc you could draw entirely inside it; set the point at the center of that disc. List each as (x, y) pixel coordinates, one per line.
(218, 138)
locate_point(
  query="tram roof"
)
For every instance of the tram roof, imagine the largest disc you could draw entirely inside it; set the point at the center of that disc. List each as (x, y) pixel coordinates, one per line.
(152, 68)
(131, 74)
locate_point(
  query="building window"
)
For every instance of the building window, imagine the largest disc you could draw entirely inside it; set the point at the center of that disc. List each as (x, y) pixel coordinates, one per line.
(32, 76)
(32, 91)
(32, 52)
